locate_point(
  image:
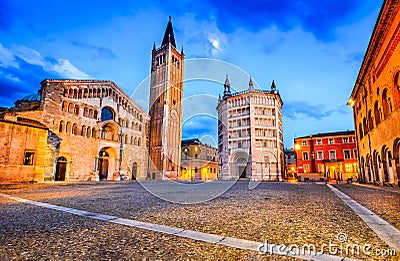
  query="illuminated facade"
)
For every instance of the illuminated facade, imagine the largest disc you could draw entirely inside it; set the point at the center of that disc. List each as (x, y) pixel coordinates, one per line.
(199, 161)
(375, 101)
(95, 131)
(327, 156)
(21, 143)
(290, 164)
(250, 140)
(165, 108)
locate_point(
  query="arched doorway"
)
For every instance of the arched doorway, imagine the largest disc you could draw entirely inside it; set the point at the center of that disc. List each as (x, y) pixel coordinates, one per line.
(61, 168)
(103, 165)
(241, 167)
(134, 171)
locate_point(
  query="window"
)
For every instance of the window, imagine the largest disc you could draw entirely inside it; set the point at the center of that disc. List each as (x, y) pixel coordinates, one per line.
(332, 154)
(355, 153)
(347, 154)
(348, 168)
(306, 168)
(331, 141)
(346, 140)
(28, 159)
(305, 155)
(319, 142)
(304, 143)
(239, 144)
(106, 114)
(320, 155)
(321, 168)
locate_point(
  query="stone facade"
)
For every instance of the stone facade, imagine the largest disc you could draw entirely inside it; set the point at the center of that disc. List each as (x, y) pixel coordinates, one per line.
(199, 161)
(327, 156)
(22, 142)
(375, 100)
(250, 139)
(96, 131)
(165, 108)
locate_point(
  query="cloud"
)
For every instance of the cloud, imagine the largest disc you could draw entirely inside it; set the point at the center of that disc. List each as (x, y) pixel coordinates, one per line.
(22, 70)
(199, 126)
(299, 109)
(65, 68)
(7, 58)
(321, 18)
(354, 57)
(96, 51)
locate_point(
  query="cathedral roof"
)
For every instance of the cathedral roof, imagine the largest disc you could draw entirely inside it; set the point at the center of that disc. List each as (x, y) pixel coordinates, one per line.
(169, 35)
(31, 98)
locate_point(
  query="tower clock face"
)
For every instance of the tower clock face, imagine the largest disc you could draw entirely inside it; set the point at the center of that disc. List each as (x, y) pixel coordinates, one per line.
(174, 114)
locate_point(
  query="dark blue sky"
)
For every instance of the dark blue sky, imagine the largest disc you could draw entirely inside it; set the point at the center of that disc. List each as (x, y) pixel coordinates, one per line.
(313, 49)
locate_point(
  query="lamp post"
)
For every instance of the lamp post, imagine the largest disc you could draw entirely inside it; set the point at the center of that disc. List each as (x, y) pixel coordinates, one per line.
(296, 149)
(120, 154)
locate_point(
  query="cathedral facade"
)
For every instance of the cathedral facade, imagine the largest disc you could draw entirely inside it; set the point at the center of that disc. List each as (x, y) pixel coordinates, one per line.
(94, 131)
(250, 138)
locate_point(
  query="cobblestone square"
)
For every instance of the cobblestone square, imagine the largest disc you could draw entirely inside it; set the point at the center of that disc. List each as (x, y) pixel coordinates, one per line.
(274, 213)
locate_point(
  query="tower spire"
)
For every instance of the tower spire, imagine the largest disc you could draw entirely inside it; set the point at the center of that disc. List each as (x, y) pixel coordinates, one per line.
(169, 36)
(251, 86)
(227, 88)
(273, 86)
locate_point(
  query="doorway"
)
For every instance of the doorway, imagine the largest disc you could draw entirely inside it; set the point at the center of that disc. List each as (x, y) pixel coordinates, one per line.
(103, 165)
(134, 171)
(61, 168)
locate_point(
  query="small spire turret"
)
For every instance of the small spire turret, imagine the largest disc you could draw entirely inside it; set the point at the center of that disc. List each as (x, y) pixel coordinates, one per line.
(251, 85)
(227, 88)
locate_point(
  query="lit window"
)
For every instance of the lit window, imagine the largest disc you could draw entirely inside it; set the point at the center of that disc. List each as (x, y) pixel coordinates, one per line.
(306, 168)
(28, 159)
(348, 168)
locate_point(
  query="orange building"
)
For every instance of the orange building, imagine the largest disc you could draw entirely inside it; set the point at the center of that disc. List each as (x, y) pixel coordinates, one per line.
(375, 100)
(327, 156)
(199, 161)
(23, 142)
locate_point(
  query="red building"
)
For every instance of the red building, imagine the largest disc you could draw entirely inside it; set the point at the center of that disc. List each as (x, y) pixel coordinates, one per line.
(327, 156)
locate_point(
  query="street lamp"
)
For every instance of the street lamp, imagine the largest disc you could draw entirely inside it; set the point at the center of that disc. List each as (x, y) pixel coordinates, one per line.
(296, 149)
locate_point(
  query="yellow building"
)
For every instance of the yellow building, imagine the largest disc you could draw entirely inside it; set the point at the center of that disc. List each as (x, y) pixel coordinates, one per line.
(23, 142)
(375, 100)
(199, 161)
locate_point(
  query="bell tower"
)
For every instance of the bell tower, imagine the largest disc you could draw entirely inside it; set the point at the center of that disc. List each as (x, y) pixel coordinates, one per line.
(165, 108)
